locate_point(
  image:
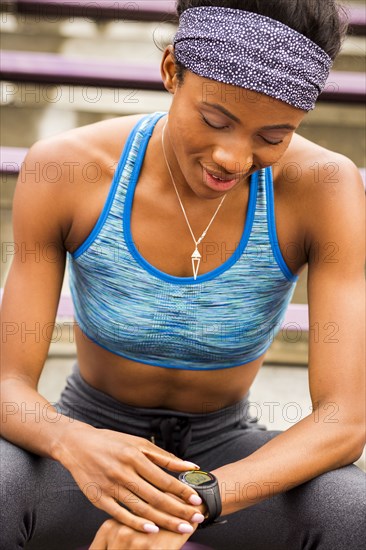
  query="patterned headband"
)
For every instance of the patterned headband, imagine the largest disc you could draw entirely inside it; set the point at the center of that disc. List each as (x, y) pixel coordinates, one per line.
(252, 51)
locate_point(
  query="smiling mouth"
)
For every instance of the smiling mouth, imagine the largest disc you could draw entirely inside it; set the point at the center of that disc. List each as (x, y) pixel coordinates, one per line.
(218, 183)
(221, 178)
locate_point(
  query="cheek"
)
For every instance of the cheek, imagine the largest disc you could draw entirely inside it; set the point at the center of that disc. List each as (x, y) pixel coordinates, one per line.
(188, 142)
(268, 156)
(189, 136)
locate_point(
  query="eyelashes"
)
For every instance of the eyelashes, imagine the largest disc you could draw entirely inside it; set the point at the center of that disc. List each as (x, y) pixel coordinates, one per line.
(211, 125)
(271, 142)
(204, 119)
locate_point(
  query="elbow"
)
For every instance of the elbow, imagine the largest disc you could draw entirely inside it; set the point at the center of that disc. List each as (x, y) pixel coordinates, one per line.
(347, 446)
(359, 448)
(356, 445)
(359, 440)
(351, 436)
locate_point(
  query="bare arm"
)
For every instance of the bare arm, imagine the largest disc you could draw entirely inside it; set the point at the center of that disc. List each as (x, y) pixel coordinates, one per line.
(333, 434)
(29, 308)
(129, 470)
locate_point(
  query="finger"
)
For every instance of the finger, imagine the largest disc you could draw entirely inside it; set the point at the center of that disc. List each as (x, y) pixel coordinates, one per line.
(168, 460)
(147, 469)
(99, 543)
(125, 517)
(128, 505)
(100, 539)
(166, 483)
(166, 519)
(142, 493)
(143, 507)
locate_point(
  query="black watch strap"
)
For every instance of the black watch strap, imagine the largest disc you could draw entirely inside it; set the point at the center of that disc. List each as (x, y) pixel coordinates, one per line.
(212, 499)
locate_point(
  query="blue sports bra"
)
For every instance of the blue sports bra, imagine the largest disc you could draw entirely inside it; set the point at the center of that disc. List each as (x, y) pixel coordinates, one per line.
(224, 318)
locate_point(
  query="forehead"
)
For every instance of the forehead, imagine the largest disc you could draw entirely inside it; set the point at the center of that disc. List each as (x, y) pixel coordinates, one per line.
(240, 102)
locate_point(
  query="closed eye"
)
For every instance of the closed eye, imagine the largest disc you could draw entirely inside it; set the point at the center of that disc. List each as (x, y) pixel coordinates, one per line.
(212, 125)
(223, 127)
(272, 142)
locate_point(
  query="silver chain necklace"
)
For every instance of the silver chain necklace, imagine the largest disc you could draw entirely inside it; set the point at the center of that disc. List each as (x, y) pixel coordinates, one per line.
(196, 256)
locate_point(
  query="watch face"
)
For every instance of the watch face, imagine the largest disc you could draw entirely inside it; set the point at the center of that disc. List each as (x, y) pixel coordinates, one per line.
(198, 478)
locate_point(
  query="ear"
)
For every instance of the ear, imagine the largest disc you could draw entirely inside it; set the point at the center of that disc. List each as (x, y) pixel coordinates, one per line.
(168, 70)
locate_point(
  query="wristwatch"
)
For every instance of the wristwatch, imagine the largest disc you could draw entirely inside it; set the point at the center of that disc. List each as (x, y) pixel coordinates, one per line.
(207, 486)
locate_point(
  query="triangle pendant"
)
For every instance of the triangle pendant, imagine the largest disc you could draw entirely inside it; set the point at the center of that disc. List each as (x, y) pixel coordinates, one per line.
(196, 260)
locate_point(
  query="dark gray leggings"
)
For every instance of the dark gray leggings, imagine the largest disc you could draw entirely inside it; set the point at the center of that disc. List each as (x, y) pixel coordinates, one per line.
(43, 509)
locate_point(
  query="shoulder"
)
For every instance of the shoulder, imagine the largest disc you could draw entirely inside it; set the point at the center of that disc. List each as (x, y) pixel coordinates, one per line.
(313, 168)
(325, 188)
(58, 171)
(99, 142)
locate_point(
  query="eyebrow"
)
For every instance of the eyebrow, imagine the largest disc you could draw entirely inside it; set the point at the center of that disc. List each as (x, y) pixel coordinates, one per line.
(279, 127)
(222, 109)
(236, 119)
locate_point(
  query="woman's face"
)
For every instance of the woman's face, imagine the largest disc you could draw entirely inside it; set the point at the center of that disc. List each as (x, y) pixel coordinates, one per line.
(222, 130)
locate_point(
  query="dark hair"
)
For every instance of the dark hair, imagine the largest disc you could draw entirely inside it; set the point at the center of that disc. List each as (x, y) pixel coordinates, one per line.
(319, 20)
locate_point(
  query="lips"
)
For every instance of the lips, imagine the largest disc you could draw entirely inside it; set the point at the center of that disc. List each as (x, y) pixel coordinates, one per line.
(219, 177)
(219, 183)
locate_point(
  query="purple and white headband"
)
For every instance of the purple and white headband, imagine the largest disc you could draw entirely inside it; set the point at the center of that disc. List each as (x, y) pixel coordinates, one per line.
(252, 51)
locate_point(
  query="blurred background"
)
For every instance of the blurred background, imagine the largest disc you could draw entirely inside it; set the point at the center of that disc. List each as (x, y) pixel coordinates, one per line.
(60, 70)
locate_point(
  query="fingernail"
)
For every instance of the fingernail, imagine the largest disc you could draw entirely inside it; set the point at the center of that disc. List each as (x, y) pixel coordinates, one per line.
(151, 528)
(195, 500)
(191, 465)
(197, 518)
(185, 528)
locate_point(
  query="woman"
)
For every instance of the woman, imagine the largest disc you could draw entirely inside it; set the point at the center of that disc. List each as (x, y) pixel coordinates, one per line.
(180, 279)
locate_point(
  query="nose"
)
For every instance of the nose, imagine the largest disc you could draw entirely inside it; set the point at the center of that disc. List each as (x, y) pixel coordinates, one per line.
(233, 158)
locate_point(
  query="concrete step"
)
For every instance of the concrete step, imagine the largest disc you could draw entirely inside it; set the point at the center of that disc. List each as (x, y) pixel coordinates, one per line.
(338, 128)
(352, 56)
(114, 39)
(49, 110)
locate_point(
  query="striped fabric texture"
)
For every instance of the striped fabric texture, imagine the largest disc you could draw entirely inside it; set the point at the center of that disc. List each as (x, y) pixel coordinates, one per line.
(223, 319)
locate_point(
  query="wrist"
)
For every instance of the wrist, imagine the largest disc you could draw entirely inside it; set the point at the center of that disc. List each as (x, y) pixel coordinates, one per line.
(71, 433)
(229, 483)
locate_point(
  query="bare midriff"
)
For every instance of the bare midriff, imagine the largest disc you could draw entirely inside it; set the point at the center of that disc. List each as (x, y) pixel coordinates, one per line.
(141, 385)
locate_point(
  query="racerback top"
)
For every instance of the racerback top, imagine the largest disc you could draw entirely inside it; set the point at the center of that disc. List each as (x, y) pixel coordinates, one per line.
(224, 318)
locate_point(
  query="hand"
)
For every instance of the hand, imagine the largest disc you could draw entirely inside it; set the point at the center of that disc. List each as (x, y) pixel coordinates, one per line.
(112, 535)
(112, 468)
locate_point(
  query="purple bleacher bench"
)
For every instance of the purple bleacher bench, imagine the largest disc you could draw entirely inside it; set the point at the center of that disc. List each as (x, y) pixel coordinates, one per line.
(52, 68)
(11, 159)
(357, 19)
(142, 10)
